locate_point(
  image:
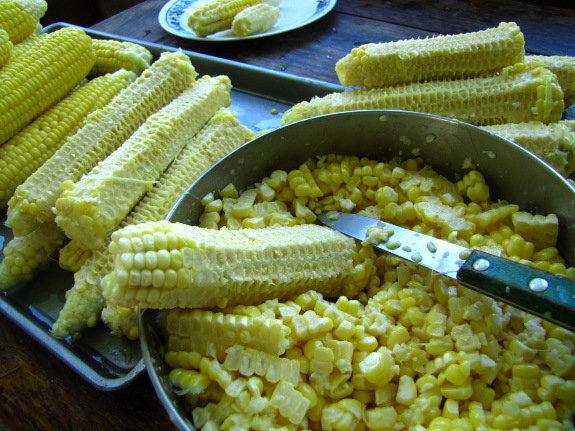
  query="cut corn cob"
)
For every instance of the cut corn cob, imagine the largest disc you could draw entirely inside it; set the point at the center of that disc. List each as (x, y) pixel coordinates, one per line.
(436, 58)
(255, 19)
(6, 47)
(563, 67)
(20, 18)
(36, 143)
(94, 206)
(554, 143)
(212, 333)
(113, 55)
(24, 256)
(104, 131)
(217, 15)
(38, 78)
(221, 134)
(166, 265)
(517, 94)
(73, 255)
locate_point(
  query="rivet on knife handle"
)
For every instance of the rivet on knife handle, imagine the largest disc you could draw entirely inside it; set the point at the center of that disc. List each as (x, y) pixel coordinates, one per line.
(549, 296)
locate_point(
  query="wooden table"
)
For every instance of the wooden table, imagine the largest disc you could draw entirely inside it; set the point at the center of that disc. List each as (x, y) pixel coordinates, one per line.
(37, 391)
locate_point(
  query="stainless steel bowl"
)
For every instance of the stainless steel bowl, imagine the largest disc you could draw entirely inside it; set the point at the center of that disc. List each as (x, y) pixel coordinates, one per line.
(447, 145)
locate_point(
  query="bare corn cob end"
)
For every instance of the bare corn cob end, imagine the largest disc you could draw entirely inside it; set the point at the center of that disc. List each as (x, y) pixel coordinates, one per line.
(255, 19)
(217, 15)
(443, 57)
(113, 55)
(517, 94)
(167, 265)
(563, 67)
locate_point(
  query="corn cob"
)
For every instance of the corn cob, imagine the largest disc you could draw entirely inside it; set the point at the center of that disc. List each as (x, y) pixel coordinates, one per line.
(27, 44)
(563, 67)
(217, 15)
(113, 55)
(104, 131)
(437, 58)
(90, 209)
(73, 255)
(36, 143)
(20, 18)
(554, 143)
(36, 79)
(84, 301)
(212, 333)
(24, 256)
(5, 47)
(188, 266)
(517, 94)
(255, 19)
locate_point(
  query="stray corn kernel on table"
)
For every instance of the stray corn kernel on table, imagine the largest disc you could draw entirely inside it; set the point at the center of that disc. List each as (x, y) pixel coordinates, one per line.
(37, 390)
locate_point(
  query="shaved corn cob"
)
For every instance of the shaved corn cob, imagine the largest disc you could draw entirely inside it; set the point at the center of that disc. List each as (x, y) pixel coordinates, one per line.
(217, 15)
(518, 94)
(187, 266)
(6, 47)
(255, 19)
(554, 143)
(73, 255)
(89, 210)
(84, 301)
(38, 78)
(19, 18)
(36, 143)
(24, 256)
(113, 55)
(212, 333)
(221, 135)
(104, 131)
(563, 67)
(436, 58)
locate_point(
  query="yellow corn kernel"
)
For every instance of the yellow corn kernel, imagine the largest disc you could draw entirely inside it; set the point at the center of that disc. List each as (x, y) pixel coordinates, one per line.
(113, 55)
(342, 415)
(457, 392)
(54, 67)
(406, 390)
(397, 335)
(381, 418)
(379, 367)
(217, 15)
(189, 381)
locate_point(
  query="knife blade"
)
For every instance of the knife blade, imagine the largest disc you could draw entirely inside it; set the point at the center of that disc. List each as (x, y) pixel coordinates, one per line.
(546, 295)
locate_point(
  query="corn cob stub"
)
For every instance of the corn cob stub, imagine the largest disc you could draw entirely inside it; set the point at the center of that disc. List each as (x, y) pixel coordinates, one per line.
(217, 15)
(113, 55)
(412, 349)
(255, 19)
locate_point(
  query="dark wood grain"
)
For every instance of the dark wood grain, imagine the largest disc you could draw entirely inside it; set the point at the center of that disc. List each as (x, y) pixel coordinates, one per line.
(39, 392)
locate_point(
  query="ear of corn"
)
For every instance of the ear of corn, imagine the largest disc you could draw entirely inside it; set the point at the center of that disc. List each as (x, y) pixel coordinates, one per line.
(436, 58)
(104, 131)
(113, 55)
(217, 15)
(26, 255)
(563, 67)
(19, 18)
(517, 94)
(73, 255)
(255, 19)
(166, 265)
(6, 47)
(221, 135)
(554, 143)
(36, 143)
(38, 78)
(94, 206)
(212, 333)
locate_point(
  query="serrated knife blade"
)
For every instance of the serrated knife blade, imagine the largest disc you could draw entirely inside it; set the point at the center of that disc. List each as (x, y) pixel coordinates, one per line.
(549, 296)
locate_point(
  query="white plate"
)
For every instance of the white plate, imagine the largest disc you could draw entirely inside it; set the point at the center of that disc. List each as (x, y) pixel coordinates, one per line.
(174, 15)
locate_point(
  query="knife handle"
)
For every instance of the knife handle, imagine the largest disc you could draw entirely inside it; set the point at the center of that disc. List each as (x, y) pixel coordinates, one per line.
(547, 295)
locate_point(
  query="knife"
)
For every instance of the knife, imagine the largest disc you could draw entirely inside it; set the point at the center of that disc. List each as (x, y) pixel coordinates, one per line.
(546, 295)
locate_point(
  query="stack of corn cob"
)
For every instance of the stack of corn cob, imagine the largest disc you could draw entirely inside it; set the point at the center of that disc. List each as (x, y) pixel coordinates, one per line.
(93, 136)
(242, 17)
(483, 78)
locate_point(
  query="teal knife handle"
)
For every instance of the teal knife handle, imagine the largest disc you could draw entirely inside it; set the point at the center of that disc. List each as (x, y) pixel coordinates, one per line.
(521, 286)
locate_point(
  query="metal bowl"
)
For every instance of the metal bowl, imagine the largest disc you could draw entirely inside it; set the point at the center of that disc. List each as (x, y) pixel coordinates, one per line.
(447, 145)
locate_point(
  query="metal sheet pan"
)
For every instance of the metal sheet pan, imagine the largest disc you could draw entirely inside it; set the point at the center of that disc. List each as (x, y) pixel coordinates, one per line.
(104, 360)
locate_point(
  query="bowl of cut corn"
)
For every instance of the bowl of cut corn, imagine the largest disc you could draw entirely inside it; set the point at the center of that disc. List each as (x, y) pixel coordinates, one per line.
(279, 325)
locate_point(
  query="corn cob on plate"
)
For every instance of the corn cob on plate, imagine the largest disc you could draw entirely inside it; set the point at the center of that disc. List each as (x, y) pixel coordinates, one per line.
(106, 361)
(444, 144)
(174, 16)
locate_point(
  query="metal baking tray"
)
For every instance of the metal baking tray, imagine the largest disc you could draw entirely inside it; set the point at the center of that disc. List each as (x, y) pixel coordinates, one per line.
(259, 97)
